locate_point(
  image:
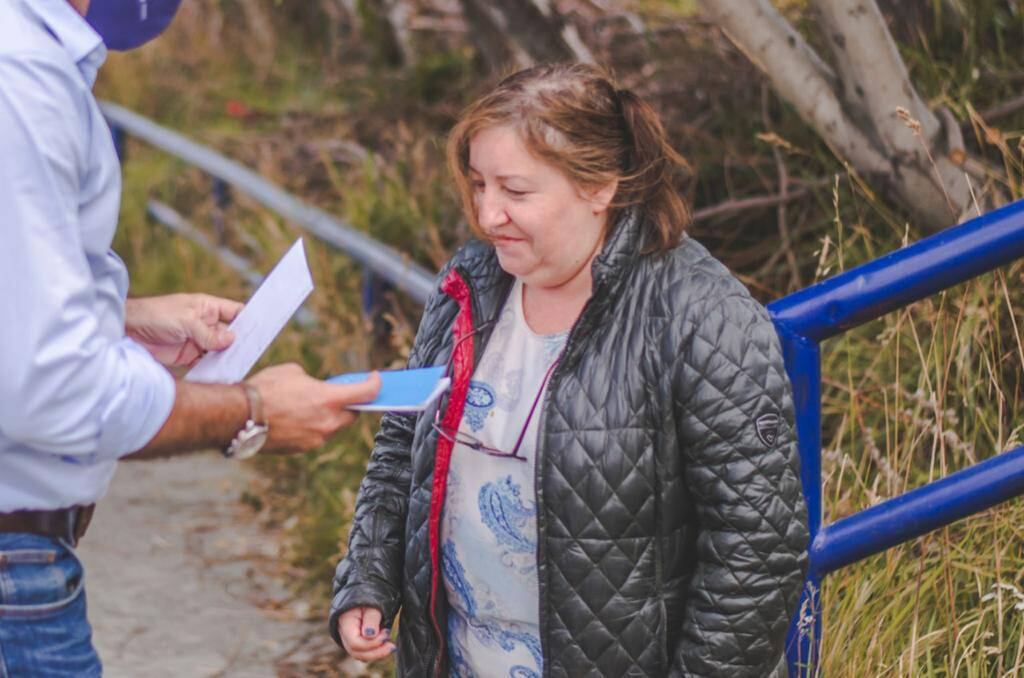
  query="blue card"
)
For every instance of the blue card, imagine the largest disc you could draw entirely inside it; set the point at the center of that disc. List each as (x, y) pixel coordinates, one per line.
(401, 390)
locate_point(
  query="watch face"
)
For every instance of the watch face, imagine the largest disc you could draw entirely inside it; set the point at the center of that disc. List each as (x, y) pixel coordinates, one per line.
(250, 441)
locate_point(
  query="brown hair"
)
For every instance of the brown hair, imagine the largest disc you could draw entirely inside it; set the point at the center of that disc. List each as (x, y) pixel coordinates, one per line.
(574, 117)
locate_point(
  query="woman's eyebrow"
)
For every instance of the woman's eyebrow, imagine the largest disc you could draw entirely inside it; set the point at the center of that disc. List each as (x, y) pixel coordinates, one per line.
(502, 177)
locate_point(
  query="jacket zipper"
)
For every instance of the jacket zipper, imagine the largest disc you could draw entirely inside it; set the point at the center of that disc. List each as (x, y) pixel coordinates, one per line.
(538, 487)
(478, 349)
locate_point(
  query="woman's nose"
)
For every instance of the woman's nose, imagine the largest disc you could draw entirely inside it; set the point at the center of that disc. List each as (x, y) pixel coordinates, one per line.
(490, 210)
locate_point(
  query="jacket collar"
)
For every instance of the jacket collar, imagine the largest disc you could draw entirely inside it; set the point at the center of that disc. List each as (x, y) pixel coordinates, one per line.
(622, 248)
(83, 44)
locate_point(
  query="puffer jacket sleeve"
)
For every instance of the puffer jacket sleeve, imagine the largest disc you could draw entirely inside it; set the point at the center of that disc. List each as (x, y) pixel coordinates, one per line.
(735, 427)
(371, 573)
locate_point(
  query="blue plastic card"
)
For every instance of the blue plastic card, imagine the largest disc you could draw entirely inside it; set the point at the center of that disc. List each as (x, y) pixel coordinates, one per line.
(401, 390)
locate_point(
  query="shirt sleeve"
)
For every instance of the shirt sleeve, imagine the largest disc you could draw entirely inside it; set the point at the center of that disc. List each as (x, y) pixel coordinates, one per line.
(66, 387)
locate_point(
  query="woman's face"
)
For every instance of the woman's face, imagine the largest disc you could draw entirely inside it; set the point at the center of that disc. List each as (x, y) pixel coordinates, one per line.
(545, 229)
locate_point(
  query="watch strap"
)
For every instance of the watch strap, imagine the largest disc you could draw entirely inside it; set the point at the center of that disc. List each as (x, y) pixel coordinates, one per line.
(255, 404)
(251, 437)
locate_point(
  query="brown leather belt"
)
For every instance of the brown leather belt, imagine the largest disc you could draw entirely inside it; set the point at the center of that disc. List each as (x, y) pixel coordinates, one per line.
(68, 524)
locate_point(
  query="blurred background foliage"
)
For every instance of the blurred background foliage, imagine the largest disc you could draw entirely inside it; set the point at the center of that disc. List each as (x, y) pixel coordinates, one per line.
(345, 103)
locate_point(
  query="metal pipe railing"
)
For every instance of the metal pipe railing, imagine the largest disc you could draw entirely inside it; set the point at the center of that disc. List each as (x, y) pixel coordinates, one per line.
(382, 260)
(169, 217)
(907, 275)
(808, 317)
(919, 511)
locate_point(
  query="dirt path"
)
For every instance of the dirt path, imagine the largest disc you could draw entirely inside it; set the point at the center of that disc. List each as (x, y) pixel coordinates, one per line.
(177, 571)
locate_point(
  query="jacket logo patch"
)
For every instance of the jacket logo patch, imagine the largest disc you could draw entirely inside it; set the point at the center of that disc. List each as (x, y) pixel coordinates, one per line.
(767, 427)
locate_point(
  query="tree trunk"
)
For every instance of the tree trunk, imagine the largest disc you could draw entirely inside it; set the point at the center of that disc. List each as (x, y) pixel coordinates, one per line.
(868, 111)
(520, 33)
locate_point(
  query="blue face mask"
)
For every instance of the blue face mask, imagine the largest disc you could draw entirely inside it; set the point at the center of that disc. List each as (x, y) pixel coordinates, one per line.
(127, 24)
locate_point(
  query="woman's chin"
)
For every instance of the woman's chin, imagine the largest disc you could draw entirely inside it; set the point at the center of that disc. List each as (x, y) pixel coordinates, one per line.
(512, 264)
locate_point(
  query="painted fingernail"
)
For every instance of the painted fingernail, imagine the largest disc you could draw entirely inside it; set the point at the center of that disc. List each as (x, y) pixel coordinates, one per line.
(369, 633)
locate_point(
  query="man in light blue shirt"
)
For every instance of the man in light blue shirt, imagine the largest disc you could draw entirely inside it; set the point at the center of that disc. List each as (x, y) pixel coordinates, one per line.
(83, 380)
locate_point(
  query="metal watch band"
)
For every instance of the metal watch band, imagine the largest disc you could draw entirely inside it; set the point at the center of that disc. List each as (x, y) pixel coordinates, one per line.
(252, 436)
(255, 404)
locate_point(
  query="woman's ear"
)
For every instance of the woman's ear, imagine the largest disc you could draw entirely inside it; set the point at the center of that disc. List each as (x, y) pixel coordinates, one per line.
(603, 196)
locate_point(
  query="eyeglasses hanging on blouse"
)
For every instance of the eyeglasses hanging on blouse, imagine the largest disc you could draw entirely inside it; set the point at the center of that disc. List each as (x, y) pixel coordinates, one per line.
(471, 441)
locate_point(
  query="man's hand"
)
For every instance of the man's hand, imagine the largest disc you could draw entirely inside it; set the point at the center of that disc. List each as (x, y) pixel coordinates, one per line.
(303, 412)
(362, 636)
(179, 328)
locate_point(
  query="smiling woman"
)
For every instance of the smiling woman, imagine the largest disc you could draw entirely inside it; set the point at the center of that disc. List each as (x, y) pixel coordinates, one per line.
(545, 230)
(596, 496)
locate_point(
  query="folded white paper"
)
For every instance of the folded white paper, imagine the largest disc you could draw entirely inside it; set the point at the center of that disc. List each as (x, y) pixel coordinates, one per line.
(259, 322)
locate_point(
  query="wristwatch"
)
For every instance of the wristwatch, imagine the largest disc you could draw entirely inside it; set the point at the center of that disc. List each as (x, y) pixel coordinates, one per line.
(253, 435)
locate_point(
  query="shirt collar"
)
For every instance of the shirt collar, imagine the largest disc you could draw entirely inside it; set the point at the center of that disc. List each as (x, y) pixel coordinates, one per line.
(75, 35)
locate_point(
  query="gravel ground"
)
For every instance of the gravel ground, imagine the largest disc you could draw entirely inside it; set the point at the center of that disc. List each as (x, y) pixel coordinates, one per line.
(181, 580)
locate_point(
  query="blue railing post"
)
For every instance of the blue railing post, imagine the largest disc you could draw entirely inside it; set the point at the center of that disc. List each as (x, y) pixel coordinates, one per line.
(803, 364)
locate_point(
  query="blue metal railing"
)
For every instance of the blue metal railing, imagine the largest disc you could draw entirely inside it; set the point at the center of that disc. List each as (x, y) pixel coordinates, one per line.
(862, 294)
(803, 319)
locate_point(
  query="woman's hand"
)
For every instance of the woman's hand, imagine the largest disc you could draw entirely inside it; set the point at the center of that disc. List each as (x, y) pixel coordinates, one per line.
(362, 636)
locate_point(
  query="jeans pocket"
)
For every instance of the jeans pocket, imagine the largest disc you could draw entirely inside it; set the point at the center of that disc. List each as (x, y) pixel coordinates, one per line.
(39, 581)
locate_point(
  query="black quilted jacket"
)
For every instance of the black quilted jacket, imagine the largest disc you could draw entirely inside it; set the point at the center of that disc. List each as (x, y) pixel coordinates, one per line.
(672, 529)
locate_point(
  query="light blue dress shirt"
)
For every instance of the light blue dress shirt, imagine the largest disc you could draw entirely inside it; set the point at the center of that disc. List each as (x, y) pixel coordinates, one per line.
(75, 393)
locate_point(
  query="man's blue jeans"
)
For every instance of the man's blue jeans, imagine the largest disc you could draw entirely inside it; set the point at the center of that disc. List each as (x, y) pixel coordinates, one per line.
(44, 632)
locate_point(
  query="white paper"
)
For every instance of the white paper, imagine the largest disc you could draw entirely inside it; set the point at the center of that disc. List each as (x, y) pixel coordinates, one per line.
(259, 322)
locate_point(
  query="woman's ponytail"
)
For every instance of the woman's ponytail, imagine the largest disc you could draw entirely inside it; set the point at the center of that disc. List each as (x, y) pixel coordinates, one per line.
(649, 172)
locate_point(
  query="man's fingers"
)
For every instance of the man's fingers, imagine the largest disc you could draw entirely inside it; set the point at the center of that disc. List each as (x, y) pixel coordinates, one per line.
(209, 337)
(226, 309)
(190, 353)
(354, 394)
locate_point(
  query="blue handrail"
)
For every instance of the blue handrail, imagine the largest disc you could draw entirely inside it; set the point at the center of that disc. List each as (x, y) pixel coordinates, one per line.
(905, 276)
(809, 316)
(919, 511)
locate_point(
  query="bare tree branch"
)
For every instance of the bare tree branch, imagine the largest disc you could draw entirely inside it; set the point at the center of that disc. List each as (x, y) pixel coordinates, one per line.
(873, 75)
(901, 154)
(1004, 109)
(769, 41)
(522, 32)
(399, 15)
(742, 204)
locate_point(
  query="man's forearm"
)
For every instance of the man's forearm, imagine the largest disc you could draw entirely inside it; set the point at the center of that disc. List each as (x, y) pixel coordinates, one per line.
(204, 416)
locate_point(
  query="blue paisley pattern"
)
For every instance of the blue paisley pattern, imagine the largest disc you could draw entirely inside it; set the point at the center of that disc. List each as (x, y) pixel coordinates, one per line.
(479, 401)
(503, 512)
(458, 664)
(487, 633)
